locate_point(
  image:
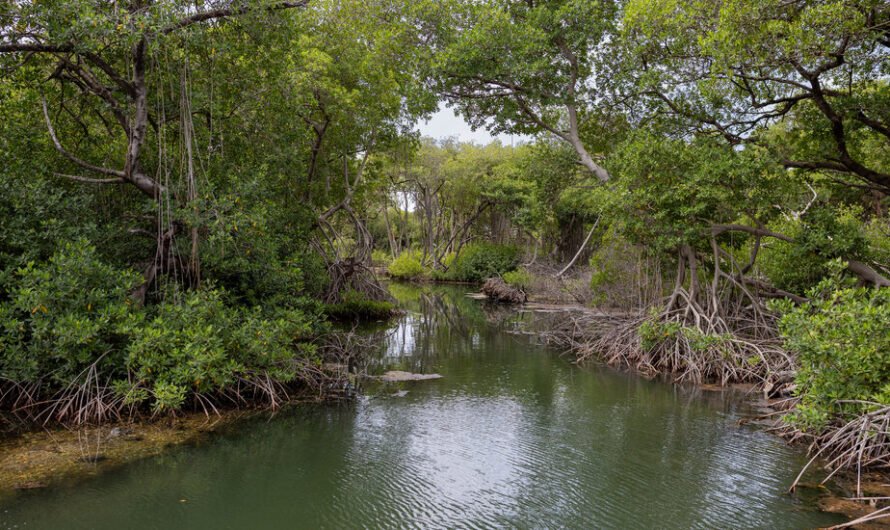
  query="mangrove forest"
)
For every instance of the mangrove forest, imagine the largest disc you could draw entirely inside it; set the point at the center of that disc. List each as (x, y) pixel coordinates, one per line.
(250, 278)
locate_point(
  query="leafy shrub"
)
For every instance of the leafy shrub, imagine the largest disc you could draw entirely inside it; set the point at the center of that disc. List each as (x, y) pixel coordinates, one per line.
(615, 276)
(380, 258)
(843, 346)
(315, 277)
(73, 312)
(250, 250)
(406, 266)
(654, 332)
(480, 261)
(356, 306)
(252, 272)
(439, 275)
(820, 236)
(520, 278)
(200, 345)
(877, 233)
(64, 315)
(448, 260)
(36, 216)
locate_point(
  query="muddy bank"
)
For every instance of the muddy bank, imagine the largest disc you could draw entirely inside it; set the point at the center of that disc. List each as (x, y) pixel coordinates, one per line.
(39, 459)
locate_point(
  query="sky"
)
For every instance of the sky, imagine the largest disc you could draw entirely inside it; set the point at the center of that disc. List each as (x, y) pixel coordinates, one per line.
(444, 124)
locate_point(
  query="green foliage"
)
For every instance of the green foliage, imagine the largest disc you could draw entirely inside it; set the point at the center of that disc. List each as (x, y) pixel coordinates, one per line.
(613, 269)
(519, 44)
(519, 278)
(877, 234)
(381, 258)
(821, 235)
(479, 261)
(356, 306)
(843, 346)
(249, 252)
(64, 315)
(73, 313)
(740, 63)
(406, 266)
(671, 192)
(654, 332)
(36, 214)
(201, 345)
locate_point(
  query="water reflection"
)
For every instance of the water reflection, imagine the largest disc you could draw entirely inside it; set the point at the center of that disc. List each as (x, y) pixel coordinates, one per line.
(511, 437)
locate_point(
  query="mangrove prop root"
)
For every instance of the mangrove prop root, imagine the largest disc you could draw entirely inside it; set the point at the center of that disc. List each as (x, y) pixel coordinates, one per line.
(882, 513)
(351, 275)
(724, 358)
(860, 443)
(90, 398)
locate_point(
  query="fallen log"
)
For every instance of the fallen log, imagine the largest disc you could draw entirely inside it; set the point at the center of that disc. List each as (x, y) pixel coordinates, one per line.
(500, 291)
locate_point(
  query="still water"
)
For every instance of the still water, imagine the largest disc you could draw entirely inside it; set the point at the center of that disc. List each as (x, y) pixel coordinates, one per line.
(512, 436)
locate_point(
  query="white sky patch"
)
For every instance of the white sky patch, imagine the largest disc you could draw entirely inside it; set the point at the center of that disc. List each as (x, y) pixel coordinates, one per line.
(445, 124)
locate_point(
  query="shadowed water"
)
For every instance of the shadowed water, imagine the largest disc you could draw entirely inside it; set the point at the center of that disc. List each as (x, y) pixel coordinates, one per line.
(512, 436)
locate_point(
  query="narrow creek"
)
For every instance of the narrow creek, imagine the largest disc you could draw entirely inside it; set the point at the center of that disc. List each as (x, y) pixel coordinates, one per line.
(511, 436)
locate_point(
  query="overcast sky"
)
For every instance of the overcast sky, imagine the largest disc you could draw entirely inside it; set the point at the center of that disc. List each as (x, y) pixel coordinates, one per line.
(444, 124)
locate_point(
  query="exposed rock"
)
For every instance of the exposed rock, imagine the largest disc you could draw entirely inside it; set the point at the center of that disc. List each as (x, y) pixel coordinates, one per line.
(118, 432)
(498, 290)
(397, 376)
(399, 394)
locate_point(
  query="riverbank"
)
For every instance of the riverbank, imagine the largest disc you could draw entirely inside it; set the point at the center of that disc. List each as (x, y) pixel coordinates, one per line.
(850, 452)
(510, 435)
(75, 455)
(37, 455)
(42, 458)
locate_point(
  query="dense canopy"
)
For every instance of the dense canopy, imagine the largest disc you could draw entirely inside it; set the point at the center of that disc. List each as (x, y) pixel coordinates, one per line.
(191, 191)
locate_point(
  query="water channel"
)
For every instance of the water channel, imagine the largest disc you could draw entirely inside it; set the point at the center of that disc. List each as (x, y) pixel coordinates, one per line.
(512, 436)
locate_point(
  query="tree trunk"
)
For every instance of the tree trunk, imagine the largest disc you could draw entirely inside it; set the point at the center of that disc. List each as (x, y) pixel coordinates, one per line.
(571, 237)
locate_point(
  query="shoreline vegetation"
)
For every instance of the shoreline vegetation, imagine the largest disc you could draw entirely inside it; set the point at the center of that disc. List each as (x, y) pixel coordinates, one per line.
(39, 458)
(655, 343)
(193, 200)
(337, 362)
(852, 449)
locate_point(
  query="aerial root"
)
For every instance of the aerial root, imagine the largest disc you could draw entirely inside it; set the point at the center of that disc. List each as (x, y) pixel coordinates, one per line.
(718, 355)
(91, 399)
(860, 443)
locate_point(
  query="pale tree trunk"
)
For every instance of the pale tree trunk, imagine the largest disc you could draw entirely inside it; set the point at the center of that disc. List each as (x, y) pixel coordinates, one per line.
(191, 183)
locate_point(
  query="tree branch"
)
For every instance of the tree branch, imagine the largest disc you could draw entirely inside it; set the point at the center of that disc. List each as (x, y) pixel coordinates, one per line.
(215, 14)
(82, 163)
(34, 47)
(867, 274)
(716, 230)
(78, 178)
(861, 270)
